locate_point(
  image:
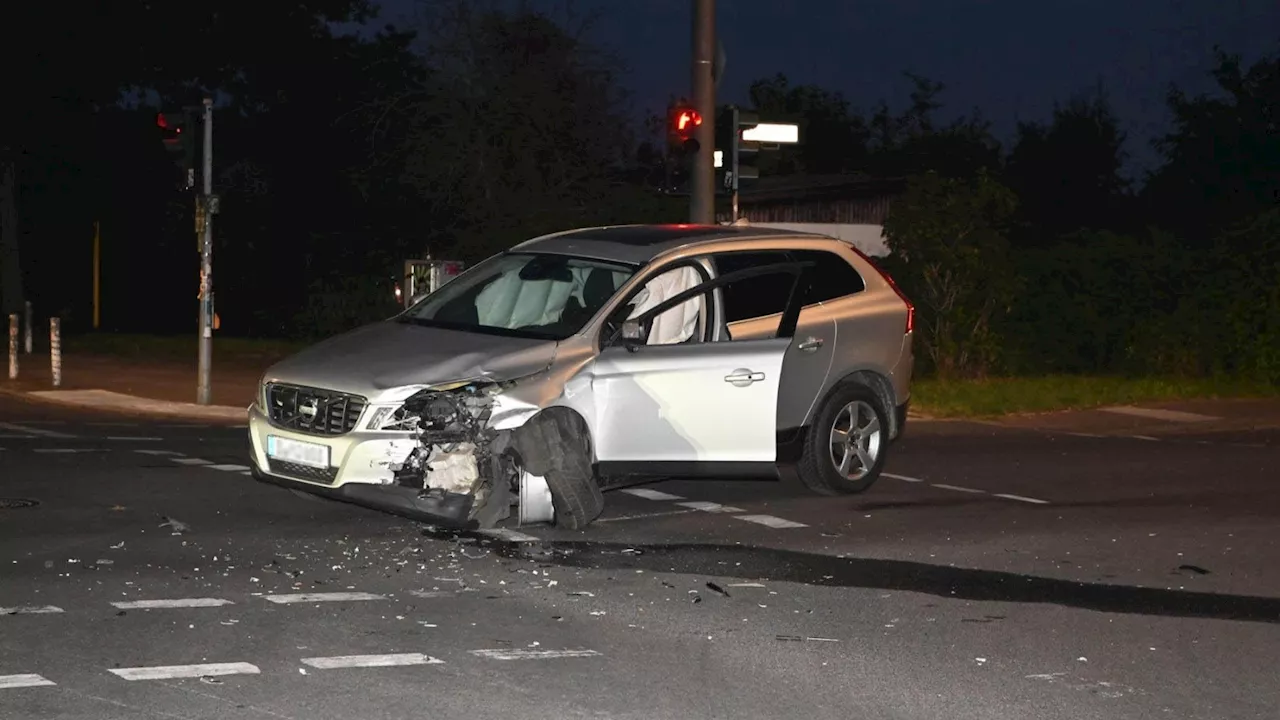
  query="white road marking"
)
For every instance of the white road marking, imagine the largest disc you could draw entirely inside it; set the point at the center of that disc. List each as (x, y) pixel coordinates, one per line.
(621, 518)
(30, 610)
(1145, 437)
(432, 593)
(770, 521)
(67, 451)
(14, 427)
(366, 661)
(507, 535)
(902, 477)
(190, 461)
(1088, 435)
(173, 672)
(648, 494)
(229, 468)
(1159, 414)
(957, 488)
(508, 654)
(168, 453)
(321, 597)
(111, 424)
(1021, 498)
(22, 681)
(118, 438)
(178, 603)
(709, 507)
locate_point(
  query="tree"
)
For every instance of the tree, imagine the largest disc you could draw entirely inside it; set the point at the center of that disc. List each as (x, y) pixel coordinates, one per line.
(834, 136)
(1222, 158)
(1066, 173)
(950, 254)
(914, 142)
(521, 128)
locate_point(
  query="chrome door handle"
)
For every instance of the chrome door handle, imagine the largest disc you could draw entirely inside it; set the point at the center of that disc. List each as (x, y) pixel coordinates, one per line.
(743, 377)
(810, 344)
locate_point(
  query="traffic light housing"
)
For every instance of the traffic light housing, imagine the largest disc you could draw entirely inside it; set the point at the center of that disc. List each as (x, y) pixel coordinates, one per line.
(682, 145)
(178, 133)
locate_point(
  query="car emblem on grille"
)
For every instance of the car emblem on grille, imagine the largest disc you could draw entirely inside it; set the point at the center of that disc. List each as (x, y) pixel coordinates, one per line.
(308, 408)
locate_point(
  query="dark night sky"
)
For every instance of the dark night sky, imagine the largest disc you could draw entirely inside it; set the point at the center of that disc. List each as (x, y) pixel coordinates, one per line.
(1011, 58)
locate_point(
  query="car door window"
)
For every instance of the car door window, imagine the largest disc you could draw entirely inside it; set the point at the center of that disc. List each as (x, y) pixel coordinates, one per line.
(753, 297)
(830, 276)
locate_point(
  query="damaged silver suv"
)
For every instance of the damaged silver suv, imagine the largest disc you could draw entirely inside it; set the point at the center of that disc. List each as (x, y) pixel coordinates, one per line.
(596, 358)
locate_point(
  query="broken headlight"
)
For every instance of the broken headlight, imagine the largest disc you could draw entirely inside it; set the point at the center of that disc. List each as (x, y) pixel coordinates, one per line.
(429, 403)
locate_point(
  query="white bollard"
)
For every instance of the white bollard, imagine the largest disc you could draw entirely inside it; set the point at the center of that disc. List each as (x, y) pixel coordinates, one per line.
(13, 346)
(55, 350)
(27, 328)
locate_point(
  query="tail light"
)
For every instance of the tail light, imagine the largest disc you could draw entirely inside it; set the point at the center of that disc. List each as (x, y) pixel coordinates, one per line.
(911, 308)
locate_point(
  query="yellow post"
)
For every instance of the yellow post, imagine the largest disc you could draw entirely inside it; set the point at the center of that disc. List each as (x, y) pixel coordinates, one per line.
(97, 276)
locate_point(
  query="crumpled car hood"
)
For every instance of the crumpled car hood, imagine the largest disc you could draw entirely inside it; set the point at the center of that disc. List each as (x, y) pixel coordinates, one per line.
(386, 355)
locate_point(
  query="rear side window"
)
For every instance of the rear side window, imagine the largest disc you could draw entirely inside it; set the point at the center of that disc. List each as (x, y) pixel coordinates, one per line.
(830, 277)
(758, 296)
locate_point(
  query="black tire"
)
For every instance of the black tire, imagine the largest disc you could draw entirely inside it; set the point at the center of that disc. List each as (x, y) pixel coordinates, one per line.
(555, 446)
(817, 468)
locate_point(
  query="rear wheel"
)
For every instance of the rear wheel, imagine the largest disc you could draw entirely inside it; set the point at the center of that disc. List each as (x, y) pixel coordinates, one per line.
(848, 443)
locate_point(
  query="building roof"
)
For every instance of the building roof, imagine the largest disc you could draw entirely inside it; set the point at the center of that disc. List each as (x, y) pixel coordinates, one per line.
(792, 188)
(638, 244)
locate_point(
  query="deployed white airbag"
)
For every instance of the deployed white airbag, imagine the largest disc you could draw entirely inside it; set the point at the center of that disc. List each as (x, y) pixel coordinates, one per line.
(679, 323)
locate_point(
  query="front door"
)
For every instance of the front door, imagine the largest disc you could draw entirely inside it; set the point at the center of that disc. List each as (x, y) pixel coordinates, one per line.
(699, 402)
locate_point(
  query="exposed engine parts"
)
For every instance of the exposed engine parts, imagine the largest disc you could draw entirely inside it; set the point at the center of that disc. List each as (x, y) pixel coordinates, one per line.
(457, 452)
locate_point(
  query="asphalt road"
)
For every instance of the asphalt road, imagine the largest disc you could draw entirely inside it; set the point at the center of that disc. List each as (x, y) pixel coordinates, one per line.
(995, 573)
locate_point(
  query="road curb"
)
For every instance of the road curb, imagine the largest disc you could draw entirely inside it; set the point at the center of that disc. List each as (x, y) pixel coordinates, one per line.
(105, 400)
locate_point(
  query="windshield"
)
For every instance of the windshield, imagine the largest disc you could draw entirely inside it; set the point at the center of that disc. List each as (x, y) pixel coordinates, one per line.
(523, 295)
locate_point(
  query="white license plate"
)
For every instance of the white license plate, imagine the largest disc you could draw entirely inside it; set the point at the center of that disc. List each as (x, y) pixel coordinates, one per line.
(296, 451)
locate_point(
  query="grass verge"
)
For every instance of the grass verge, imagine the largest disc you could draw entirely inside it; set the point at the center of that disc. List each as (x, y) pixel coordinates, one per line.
(1002, 396)
(177, 347)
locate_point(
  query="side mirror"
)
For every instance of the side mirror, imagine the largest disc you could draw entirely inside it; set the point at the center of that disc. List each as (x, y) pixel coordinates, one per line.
(629, 335)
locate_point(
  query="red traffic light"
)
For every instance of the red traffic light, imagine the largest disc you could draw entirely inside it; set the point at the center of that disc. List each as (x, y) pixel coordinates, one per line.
(684, 121)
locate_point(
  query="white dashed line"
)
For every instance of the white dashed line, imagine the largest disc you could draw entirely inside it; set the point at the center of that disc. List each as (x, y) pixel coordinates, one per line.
(770, 521)
(190, 461)
(178, 603)
(321, 597)
(709, 507)
(14, 427)
(648, 494)
(119, 438)
(902, 477)
(67, 451)
(1086, 435)
(30, 610)
(1145, 437)
(173, 672)
(23, 681)
(163, 453)
(229, 468)
(507, 535)
(367, 661)
(505, 654)
(1021, 498)
(645, 516)
(957, 488)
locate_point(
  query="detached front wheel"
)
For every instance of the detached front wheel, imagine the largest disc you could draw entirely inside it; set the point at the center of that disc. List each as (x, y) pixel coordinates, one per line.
(847, 444)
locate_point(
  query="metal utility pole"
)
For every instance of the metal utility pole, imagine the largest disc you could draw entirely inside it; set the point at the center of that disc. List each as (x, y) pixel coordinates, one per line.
(206, 208)
(702, 196)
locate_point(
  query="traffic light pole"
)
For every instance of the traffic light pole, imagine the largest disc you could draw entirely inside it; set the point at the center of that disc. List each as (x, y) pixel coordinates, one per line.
(703, 178)
(733, 163)
(205, 211)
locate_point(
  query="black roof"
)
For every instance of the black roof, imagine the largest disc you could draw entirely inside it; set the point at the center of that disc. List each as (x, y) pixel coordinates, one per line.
(638, 244)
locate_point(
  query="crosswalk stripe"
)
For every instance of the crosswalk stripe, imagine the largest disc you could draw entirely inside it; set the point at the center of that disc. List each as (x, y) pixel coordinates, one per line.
(173, 672)
(365, 661)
